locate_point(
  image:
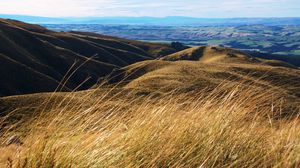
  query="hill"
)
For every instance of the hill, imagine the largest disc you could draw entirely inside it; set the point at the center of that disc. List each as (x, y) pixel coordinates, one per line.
(200, 107)
(188, 71)
(34, 59)
(187, 109)
(201, 67)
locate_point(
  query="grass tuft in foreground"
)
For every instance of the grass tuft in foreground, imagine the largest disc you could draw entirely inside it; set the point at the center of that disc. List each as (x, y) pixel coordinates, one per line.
(241, 127)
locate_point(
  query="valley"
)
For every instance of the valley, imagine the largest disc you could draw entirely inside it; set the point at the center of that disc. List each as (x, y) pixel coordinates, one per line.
(281, 40)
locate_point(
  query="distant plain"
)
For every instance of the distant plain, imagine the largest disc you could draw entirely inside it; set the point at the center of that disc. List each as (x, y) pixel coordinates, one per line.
(271, 39)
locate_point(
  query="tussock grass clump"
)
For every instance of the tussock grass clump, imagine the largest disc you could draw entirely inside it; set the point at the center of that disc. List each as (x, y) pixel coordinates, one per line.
(240, 127)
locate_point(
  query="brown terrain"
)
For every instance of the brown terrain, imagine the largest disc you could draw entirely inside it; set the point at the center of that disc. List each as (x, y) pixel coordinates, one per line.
(34, 59)
(141, 104)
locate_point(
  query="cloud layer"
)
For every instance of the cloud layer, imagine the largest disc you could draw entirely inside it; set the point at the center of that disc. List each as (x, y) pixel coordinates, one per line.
(157, 8)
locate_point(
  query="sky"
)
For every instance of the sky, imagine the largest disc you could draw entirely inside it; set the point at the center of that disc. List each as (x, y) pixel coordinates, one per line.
(153, 8)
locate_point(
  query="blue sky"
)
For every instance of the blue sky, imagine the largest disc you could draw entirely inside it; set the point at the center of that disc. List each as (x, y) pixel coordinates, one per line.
(155, 8)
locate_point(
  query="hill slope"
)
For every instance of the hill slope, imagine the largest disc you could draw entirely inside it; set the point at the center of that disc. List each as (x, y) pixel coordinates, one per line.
(191, 71)
(201, 107)
(35, 59)
(203, 67)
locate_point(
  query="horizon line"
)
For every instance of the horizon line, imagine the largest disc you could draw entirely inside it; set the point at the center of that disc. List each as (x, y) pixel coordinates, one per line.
(162, 17)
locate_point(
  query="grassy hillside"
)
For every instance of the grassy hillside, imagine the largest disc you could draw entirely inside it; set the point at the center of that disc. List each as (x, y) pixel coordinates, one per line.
(47, 56)
(239, 126)
(205, 67)
(210, 109)
(201, 107)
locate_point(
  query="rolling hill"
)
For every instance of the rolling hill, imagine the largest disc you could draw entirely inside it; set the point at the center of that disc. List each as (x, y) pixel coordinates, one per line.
(188, 71)
(200, 67)
(34, 59)
(203, 106)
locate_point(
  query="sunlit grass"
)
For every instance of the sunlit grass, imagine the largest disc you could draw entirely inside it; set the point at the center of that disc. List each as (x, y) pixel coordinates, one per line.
(240, 127)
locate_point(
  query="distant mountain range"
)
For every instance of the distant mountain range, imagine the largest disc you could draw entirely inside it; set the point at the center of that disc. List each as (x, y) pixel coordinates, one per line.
(171, 20)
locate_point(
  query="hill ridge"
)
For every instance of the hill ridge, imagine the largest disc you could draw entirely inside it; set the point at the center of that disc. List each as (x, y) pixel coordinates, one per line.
(52, 54)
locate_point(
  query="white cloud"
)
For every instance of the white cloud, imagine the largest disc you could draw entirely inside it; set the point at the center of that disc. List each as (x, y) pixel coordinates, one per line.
(197, 8)
(52, 7)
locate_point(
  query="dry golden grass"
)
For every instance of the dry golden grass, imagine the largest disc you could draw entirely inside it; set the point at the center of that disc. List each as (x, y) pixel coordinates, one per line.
(171, 112)
(239, 127)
